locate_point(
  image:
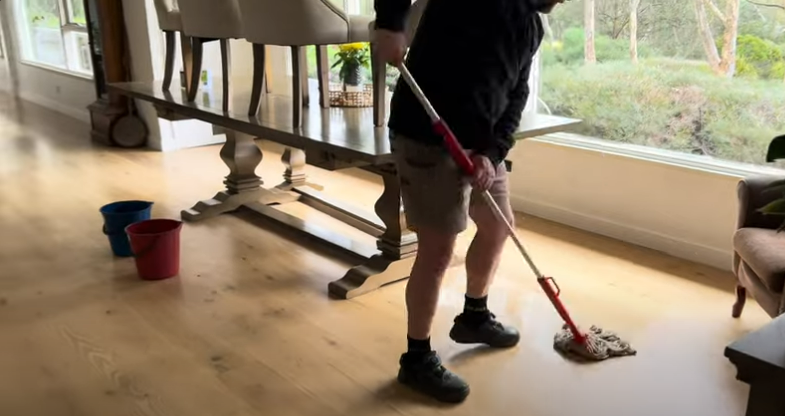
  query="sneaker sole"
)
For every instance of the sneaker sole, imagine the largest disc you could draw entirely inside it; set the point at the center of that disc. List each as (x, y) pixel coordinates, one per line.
(453, 397)
(468, 340)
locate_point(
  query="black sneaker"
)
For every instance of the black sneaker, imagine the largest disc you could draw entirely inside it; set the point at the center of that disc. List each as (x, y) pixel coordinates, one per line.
(485, 330)
(426, 374)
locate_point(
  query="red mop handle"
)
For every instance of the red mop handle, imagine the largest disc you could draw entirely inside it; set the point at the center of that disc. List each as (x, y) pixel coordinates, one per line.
(456, 150)
(439, 126)
(553, 296)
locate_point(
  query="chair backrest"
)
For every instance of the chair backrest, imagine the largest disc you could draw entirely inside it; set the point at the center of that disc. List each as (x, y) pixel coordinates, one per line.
(218, 19)
(294, 22)
(166, 10)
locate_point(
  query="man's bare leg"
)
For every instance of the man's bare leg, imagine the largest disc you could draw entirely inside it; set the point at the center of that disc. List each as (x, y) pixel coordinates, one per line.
(477, 324)
(422, 290)
(421, 367)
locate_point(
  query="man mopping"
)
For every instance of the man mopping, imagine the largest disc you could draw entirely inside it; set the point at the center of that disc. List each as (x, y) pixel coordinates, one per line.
(472, 58)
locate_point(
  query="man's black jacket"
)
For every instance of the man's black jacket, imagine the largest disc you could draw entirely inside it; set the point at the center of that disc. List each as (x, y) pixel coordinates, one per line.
(472, 59)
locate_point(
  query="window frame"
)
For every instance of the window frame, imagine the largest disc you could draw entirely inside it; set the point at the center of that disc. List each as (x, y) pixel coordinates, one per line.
(69, 31)
(704, 164)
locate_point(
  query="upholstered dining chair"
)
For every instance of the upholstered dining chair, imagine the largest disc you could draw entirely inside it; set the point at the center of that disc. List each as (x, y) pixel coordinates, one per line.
(299, 24)
(379, 68)
(171, 23)
(205, 21)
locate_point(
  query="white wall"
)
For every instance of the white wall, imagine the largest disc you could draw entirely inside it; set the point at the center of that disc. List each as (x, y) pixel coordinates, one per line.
(64, 93)
(686, 212)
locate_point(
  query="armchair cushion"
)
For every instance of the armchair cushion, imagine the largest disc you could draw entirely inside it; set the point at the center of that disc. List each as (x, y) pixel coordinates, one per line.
(752, 196)
(763, 250)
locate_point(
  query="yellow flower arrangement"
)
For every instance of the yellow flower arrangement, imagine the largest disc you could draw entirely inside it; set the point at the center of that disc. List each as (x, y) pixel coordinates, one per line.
(351, 58)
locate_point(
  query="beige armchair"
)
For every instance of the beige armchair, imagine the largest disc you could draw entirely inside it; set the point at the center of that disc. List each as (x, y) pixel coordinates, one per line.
(298, 24)
(170, 22)
(379, 68)
(206, 21)
(758, 250)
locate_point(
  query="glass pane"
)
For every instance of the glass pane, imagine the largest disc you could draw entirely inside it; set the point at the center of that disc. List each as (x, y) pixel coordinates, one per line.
(40, 28)
(670, 84)
(43, 13)
(366, 8)
(78, 47)
(76, 13)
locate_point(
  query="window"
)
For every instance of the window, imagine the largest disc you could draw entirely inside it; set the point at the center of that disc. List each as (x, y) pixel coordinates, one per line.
(53, 33)
(700, 77)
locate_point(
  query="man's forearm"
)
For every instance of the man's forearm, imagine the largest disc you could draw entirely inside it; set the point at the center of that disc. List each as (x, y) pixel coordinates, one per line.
(391, 14)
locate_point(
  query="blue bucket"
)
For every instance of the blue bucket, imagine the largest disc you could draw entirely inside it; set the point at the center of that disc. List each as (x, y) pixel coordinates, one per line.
(118, 216)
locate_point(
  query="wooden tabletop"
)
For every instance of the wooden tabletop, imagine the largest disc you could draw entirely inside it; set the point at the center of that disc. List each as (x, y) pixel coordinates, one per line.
(761, 353)
(345, 133)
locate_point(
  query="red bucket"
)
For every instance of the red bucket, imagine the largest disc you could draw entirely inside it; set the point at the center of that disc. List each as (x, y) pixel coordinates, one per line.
(156, 247)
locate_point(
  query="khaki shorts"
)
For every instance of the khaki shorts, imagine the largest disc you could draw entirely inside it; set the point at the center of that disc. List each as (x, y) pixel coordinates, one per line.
(436, 194)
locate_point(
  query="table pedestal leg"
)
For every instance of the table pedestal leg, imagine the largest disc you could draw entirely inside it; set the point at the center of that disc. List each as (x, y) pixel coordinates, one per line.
(294, 176)
(398, 245)
(241, 154)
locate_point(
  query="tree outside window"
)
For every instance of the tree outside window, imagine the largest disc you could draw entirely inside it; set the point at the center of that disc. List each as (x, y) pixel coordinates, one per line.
(53, 33)
(700, 77)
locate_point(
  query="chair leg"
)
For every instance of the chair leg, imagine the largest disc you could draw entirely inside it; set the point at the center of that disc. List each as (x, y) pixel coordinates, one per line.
(304, 75)
(741, 299)
(226, 69)
(297, 88)
(259, 71)
(379, 75)
(323, 74)
(171, 46)
(188, 58)
(196, 76)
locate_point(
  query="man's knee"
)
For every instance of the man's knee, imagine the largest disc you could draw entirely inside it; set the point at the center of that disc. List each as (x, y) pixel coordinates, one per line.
(435, 250)
(488, 224)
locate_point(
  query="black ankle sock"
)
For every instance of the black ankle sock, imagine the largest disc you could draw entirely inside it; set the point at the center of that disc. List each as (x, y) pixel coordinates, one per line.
(419, 346)
(475, 310)
(476, 305)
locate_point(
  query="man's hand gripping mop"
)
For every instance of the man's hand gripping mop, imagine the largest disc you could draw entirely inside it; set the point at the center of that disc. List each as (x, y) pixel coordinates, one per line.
(595, 345)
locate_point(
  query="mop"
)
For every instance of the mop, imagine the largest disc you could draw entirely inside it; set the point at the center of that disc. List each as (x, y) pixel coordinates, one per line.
(594, 345)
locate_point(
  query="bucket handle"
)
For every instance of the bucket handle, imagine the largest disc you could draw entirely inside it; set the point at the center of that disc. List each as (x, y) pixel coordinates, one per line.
(106, 231)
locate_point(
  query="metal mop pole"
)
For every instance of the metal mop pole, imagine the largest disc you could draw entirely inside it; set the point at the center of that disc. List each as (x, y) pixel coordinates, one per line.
(462, 159)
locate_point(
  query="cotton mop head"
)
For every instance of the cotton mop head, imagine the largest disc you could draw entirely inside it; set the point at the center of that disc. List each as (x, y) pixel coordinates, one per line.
(599, 345)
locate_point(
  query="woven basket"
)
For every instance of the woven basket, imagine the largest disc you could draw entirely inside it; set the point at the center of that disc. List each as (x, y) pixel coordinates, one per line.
(341, 98)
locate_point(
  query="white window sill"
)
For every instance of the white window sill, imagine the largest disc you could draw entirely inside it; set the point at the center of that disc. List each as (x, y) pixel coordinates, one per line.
(79, 75)
(668, 157)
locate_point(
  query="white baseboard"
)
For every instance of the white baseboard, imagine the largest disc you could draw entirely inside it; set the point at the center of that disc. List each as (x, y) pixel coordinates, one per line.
(81, 114)
(645, 238)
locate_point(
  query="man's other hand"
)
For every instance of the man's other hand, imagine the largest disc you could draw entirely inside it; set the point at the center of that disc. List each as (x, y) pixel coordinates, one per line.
(484, 173)
(391, 46)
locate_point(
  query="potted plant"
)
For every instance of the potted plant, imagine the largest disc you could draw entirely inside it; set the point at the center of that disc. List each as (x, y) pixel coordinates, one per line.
(776, 207)
(352, 57)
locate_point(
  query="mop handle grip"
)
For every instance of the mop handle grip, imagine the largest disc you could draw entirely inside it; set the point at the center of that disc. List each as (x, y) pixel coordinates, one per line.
(440, 127)
(454, 147)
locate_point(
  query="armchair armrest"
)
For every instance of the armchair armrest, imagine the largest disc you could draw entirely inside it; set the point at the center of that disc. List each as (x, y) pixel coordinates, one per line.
(751, 197)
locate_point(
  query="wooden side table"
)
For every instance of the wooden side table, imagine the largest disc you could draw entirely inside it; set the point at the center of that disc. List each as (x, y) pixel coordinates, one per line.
(760, 362)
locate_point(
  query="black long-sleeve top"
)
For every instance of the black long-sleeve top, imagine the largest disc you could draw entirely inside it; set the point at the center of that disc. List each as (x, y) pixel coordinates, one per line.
(472, 59)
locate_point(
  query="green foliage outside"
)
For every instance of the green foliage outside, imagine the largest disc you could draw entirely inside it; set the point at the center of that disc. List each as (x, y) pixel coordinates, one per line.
(671, 99)
(46, 13)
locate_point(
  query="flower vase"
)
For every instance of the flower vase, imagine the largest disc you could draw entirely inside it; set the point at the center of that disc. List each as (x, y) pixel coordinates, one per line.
(352, 76)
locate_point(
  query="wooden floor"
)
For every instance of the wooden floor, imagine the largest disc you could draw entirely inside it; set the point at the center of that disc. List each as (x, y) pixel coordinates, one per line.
(247, 329)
